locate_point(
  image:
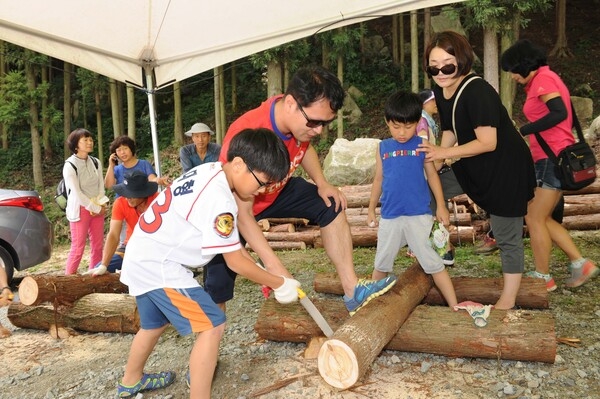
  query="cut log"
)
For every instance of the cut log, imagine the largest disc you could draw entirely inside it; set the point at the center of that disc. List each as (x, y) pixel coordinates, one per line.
(283, 245)
(525, 335)
(294, 221)
(532, 293)
(578, 222)
(264, 224)
(65, 290)
(593, 188)
(306, 235)
(349, 353)
(58, 332)
(283, 228)
(115, 313)
(582, 204)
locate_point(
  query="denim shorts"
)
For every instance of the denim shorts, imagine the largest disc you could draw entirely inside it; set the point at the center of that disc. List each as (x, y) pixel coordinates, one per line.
(545, 174)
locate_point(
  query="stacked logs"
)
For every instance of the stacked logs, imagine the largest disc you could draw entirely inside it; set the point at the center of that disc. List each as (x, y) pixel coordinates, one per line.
(466, 225)
(62, 304)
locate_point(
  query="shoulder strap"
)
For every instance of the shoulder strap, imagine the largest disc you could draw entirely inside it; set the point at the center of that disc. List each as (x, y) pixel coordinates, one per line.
(545, 145)
(73, 165)
(95, 161)
(456, 99)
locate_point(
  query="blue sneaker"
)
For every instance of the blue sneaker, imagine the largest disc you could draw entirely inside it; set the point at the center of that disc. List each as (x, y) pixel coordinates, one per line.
(149, 382)
(366, 290)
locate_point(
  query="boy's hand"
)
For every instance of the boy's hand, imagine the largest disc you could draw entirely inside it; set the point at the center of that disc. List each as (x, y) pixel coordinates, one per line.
(287, 292)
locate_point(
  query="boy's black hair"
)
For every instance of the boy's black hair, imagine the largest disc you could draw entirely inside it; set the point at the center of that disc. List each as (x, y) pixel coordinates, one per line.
(122, 140)
(522, 58)
(262, 151)
(313, 83)
(74, 138)
(403, 107)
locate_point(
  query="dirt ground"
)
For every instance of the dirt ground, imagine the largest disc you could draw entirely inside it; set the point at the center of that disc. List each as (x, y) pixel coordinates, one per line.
(89, 365)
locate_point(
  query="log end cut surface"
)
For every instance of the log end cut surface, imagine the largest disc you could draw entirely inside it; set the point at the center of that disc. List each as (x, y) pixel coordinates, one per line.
(28, 291)
(338, 364)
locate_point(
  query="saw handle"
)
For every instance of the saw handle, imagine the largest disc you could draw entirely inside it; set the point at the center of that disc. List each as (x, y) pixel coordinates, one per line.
(301, 294)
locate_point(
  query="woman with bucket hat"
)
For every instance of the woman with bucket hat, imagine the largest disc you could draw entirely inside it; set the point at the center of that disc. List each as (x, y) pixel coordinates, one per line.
(201, 150)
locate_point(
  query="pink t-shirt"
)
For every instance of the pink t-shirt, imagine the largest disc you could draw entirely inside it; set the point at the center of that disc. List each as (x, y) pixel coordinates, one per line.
(559, 136)
(261, 118)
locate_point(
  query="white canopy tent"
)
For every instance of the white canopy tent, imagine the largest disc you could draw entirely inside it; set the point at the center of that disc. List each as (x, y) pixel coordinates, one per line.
(153, 43)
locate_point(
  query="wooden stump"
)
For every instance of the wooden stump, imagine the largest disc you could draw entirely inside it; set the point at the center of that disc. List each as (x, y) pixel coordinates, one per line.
(65, 290)
(532, 293)
(526, 335)
(348, 354)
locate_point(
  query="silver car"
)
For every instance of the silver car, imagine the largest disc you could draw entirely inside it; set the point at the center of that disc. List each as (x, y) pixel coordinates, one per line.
(26, 235)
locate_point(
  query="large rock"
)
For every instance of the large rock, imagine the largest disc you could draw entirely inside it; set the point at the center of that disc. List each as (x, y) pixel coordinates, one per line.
(351, 162)
(594, 131)
(584, 107)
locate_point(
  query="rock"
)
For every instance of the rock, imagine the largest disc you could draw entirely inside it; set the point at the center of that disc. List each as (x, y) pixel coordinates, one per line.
(584, 107)
(351, 162)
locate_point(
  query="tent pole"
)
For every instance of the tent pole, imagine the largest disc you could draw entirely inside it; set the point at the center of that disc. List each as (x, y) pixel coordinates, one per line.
(151, 110)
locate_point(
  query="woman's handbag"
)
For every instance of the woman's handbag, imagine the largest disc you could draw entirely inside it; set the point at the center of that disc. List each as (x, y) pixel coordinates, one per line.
(576, 164)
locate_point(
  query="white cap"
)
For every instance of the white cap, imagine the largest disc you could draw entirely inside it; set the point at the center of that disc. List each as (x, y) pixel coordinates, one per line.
(199, 128)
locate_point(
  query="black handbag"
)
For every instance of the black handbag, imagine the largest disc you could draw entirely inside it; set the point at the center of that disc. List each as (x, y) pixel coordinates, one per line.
(575, 164)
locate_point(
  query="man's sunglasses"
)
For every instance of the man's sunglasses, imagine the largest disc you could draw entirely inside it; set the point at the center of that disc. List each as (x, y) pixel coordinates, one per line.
(446, 70)
(313, 123)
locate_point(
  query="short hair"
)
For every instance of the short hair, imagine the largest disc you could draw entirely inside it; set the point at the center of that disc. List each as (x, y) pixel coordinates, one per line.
(75, 136)
(122, 140)
(403, 107)
(455, 44)
(310, 84)
(262, 151)
(522, 58)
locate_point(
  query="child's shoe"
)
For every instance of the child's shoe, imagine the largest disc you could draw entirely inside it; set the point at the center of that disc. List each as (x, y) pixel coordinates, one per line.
(149, 382)
(550, 284)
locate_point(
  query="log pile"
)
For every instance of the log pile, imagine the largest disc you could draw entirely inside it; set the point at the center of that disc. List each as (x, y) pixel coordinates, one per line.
(63, 304)
(466, 224)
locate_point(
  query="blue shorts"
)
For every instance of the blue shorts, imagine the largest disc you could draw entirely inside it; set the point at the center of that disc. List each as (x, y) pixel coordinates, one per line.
(545, 174)
(187, 309)
(299, 199)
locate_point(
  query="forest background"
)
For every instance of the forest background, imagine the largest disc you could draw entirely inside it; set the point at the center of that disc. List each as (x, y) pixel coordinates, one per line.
(43, 99)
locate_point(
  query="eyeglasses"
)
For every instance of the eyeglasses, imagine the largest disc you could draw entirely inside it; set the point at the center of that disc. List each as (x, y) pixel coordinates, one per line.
(313, 123)
(446, 70)
(261, 184)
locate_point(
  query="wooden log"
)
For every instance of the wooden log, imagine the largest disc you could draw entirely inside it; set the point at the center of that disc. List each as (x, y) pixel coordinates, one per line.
(116, 313)
(579, 222)
(264, 224)
(593, 188)
(283, 228)
(307, 236)
(525, 335)
(294, 221)
(582, 204)
(532, 292)
(59, 332)
(65, 290)
(283, 245)
(349, 353)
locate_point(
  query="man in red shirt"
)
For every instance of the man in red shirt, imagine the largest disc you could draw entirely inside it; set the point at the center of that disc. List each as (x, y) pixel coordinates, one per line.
(135, 194)
(311, 101)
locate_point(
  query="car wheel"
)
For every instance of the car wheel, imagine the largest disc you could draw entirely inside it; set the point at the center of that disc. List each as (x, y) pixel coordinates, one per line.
(6, 262)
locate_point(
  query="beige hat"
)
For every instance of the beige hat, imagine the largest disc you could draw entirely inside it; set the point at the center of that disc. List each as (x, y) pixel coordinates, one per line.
(199, 128)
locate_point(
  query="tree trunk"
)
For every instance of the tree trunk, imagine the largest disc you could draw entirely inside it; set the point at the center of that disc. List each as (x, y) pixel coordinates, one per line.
(178, 138)
(116, 313)
(234, 106)
(349, 353)
(395, 39)
(526, 335)
(38, 179)
(46, 124)
(36, 289)
(340, 113)
(274, 78)
(507, 84)
(219, 130)
(490, 57)
(414, 51)
(67, 107)
(114, 106)
(561, 49)
(426, 39)
(532, 292)
(3, 130)
(130, 112)
(98, 109)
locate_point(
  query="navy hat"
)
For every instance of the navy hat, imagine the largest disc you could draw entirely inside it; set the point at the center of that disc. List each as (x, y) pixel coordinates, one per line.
(136, 185)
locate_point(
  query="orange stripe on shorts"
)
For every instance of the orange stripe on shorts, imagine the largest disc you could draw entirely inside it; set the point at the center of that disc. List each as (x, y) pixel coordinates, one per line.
(191, 310)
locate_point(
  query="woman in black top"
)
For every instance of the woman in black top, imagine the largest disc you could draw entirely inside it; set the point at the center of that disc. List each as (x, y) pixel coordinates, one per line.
(495, 168)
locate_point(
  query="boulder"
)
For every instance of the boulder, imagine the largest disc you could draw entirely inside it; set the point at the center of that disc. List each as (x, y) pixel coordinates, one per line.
(584, 107)
(351, 162)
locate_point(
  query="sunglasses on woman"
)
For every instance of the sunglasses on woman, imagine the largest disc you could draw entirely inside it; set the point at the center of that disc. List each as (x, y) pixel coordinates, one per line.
(446, 70)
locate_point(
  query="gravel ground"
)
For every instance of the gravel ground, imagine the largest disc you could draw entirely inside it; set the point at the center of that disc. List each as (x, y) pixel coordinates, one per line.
(88, 365)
